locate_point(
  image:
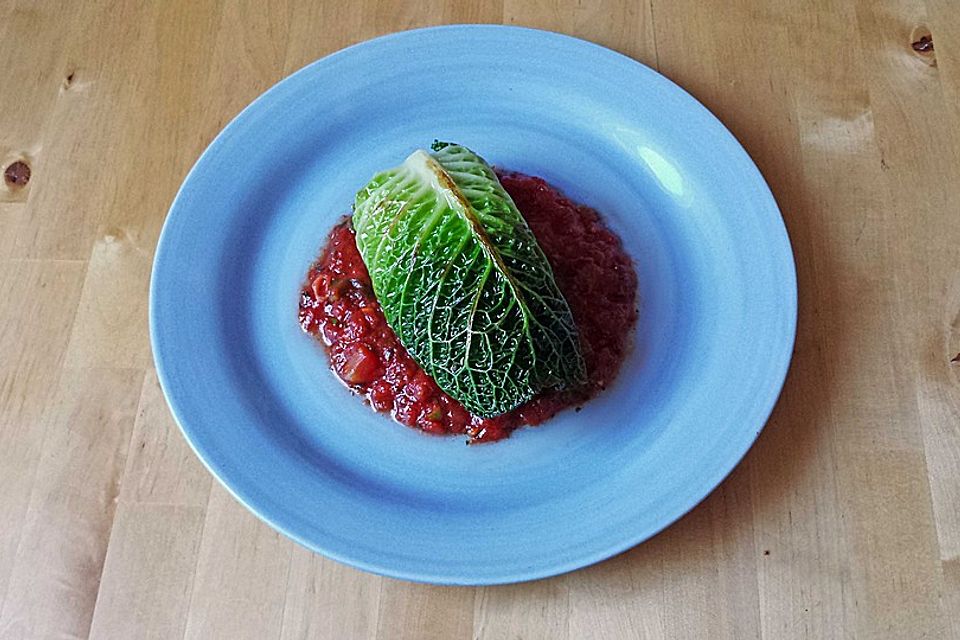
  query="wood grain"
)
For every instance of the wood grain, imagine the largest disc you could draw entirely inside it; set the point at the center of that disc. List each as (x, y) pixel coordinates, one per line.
(325, 599)
(843, 521)
(67, 524)
(241, 575)
(155, 540)
(30, 357)
(147, 576)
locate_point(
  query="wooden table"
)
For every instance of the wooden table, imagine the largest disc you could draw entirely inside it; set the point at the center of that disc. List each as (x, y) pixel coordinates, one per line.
(842, 522)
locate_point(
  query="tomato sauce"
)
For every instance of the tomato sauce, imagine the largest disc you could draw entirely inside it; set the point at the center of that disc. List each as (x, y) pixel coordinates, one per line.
(596, 276)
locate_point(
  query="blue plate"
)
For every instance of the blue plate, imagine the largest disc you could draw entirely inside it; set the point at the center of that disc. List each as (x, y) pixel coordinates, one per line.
(257, 402)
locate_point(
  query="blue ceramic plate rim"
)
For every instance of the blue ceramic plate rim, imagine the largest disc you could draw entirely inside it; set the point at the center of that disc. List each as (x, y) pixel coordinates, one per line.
(235, 481)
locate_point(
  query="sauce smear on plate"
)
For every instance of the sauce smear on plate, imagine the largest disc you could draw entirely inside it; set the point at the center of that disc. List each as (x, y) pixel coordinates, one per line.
(596, 276)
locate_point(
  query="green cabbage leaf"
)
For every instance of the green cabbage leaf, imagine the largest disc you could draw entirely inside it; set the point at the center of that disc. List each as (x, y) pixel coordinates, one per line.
(463, 282)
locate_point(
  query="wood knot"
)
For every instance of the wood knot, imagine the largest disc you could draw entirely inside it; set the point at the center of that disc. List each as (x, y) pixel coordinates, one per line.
(921, 42)
(17, 174)
(923, 45)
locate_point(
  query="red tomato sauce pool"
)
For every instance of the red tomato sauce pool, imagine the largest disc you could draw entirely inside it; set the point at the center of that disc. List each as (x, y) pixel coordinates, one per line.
(596, 276)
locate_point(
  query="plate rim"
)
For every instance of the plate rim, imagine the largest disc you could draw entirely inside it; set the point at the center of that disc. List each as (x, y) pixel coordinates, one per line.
(626, 542)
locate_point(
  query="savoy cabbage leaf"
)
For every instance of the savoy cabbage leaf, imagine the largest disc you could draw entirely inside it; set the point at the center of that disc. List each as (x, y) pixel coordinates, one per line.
(463, 282)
